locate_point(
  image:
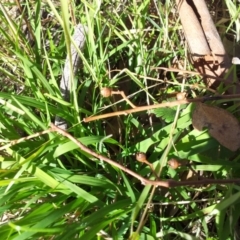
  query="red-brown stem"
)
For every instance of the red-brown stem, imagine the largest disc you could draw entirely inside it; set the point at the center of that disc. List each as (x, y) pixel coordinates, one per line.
(160, 183)
(161, 105)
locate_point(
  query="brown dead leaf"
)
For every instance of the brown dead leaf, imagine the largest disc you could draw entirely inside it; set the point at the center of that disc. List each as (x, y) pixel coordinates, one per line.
(221, 124)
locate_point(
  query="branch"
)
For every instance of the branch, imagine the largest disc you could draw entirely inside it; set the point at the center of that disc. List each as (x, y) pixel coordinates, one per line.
(161, 105)
(17, 141)
(160, 183)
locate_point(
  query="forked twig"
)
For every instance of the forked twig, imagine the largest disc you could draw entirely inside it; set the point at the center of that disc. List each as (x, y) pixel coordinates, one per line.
(107, 92)
(141, 157)
(160, 183)
(124, 97)
(161, 105)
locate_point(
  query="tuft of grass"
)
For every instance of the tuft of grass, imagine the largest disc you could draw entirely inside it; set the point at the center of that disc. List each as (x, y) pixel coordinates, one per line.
(49, 188)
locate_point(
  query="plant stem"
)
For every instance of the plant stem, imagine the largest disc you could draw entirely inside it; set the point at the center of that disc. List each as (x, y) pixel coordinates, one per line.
(158, 183)
(161, 105)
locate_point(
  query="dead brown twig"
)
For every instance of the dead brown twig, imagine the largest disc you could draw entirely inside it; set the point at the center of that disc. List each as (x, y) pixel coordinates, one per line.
(17, 141)
(25, 19)
(160, 183)
(107, 92)
(161, 105)
(182, 71)
(124, 97)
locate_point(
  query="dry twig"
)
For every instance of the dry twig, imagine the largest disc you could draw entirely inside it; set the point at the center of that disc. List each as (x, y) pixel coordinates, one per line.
(160, 183)
(17, 141)
(161, 105)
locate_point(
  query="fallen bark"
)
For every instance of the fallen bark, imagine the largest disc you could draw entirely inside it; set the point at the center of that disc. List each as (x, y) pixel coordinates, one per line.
(206, 48)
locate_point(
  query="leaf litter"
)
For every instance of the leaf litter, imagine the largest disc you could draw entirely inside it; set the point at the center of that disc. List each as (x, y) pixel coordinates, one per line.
(221, 124)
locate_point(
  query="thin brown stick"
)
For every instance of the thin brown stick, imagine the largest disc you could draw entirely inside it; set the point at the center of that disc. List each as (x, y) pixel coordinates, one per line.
(16, 141)
(216, 77)
(72, 12)
(179, 71)
(25, 19)
(124, 97)
(195, 85)
(160, 105)
(160, 183)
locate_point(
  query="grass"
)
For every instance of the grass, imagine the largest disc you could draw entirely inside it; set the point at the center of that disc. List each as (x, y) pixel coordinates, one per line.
(50, 189)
